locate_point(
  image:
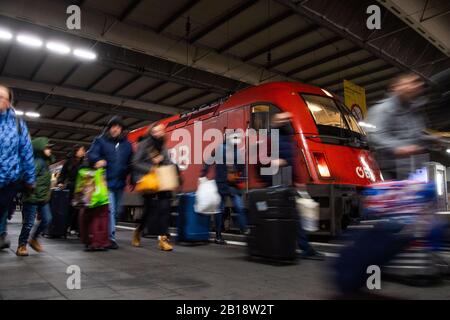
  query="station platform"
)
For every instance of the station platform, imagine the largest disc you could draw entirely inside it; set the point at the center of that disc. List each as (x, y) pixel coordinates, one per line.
(189, 272)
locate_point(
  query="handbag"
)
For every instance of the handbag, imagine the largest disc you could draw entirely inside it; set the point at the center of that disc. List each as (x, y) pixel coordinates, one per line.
(148, 183)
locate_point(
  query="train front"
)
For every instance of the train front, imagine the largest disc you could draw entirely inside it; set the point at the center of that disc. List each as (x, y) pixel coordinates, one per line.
(334, 158)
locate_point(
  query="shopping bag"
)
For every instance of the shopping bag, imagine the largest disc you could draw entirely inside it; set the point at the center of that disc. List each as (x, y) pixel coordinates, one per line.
(167, 177)
(309, 211)
(207, 197)
(91, 190)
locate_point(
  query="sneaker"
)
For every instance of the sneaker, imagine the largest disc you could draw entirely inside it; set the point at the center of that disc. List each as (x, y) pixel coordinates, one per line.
(4, 242)
(22, 251)
(220, 241)
(113, 246)
(313, 255)
(35, 245)
(136, 241)
(164, 244)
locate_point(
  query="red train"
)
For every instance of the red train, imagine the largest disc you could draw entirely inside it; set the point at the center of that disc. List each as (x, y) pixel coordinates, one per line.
(332, 156)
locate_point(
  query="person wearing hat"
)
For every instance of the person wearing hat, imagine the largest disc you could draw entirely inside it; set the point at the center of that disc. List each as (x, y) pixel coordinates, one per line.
(37, 200)
(112, 151)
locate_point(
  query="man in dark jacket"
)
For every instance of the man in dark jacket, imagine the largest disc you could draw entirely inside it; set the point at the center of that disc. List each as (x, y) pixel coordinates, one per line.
(113, 151)
(37, 200)
(226, 177)
(16, 159)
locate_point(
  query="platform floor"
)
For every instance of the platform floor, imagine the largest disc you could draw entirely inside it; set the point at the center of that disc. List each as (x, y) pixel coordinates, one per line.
(189, 272)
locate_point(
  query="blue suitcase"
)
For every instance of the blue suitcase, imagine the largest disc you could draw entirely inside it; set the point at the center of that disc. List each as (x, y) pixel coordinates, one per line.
(192, 226)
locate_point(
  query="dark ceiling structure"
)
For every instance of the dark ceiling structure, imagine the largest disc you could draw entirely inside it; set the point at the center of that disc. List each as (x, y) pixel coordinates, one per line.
(159, 58)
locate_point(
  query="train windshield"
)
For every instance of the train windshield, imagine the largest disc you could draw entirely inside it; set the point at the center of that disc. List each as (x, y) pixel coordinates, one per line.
(332, 118)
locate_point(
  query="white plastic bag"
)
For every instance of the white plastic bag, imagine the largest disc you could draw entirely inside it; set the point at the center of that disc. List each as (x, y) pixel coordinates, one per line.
(309, 213)
(207, 197)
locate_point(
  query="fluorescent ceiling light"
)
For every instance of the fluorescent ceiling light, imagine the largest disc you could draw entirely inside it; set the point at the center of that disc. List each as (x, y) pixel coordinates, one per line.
(19, 113)
(448, 150)
(29, 40)
(327, 93)
(58, 47)
(5, 34)
(32, 114)
(85, 54)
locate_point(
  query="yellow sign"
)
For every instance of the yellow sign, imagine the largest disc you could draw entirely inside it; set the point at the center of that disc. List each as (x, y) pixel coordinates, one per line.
(355, 99)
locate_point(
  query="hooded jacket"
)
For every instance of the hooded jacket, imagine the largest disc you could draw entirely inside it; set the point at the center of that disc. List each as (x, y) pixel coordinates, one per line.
(117, 153)
(16, 153)
(41, 193)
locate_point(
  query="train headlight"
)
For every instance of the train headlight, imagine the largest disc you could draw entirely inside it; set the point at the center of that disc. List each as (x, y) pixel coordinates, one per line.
(322, 165)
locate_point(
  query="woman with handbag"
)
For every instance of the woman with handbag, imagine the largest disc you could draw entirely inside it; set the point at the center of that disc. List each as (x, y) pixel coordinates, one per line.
(151, 155)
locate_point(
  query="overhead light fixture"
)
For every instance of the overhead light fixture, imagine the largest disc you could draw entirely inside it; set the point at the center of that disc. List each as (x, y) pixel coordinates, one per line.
(19, 113)
(327, 93)
(85, 54)
(448, 150)
(58, 47)
(32, 114)
(5, 35)
(29, 40)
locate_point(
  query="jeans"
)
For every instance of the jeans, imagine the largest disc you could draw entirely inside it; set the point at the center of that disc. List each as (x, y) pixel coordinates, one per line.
(7, 195)
(29, 212)
(115, 204)
(238, 207)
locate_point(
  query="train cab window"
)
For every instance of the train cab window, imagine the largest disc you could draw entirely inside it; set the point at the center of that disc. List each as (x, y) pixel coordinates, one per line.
(325, 111)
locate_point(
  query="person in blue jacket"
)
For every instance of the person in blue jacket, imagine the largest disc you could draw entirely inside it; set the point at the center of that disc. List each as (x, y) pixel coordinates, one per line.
(16, 159)
(112, 151)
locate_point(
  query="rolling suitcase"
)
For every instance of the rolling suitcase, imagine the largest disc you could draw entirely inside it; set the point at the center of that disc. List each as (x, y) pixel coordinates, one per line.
(273, 220)
(192, 226)
(94, 227)
(60, 208)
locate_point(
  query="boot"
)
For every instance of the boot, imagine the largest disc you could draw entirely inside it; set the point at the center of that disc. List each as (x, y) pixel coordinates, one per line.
(4, 242)
(136, 241)
(164, 244)
(22, 251)
(35, 245)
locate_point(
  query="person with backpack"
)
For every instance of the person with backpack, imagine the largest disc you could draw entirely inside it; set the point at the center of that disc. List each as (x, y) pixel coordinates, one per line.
(37, 200)
(16, 159)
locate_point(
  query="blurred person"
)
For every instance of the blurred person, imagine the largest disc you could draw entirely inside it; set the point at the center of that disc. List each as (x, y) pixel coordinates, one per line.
(287, 175)
(37, 200)
(67, 179)
(16, 159)
(227, 176)
(399, 132)
(151, 152)
(112, 150)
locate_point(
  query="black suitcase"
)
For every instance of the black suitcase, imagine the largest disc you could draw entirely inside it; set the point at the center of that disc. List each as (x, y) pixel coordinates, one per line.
(60, 207)
(273, 221)
(272, 203)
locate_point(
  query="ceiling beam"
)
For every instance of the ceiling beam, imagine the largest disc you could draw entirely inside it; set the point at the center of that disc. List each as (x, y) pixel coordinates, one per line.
(255, 30)
(341, 68)
(323, 60)
(305, 51)
(63, 126)
(117, 102)
(358, 75)
(280, 42)
(179, 13)
(221, 20)
(172, 94)
(126, 84)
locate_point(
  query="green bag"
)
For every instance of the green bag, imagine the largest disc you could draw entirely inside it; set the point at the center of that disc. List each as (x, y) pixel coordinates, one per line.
(91, 190)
